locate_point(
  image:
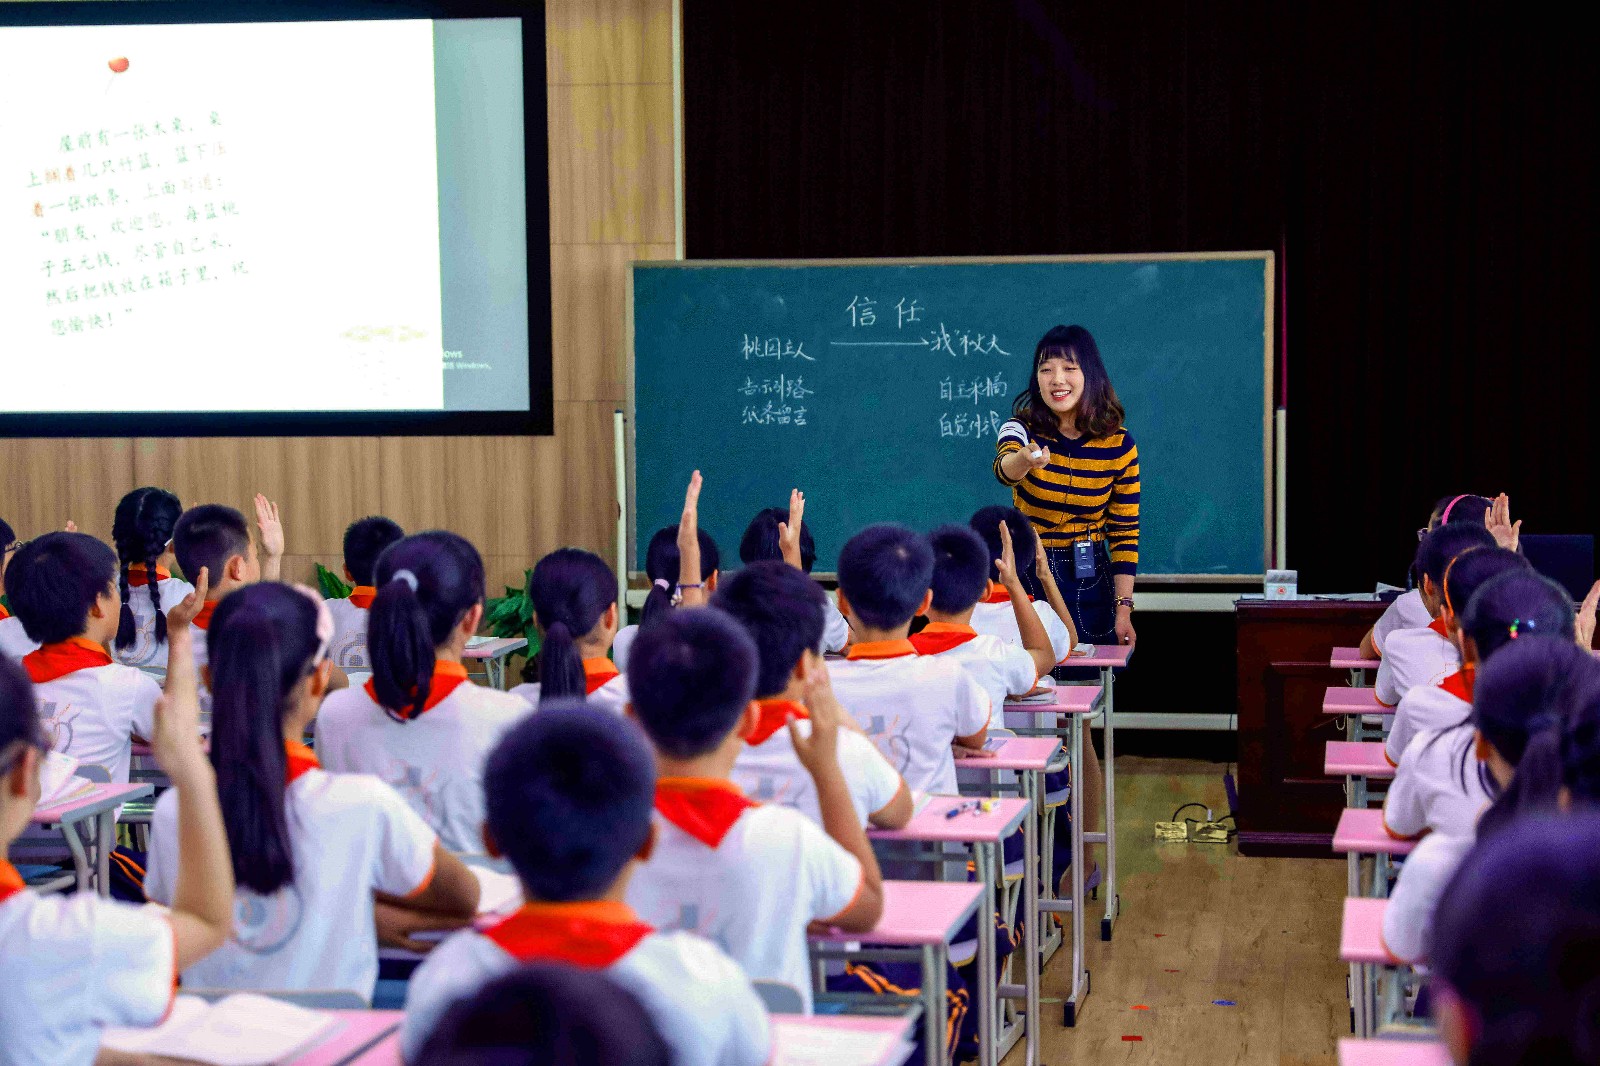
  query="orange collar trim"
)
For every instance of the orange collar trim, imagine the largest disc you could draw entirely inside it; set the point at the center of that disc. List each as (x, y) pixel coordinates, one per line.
(10, 881)
(1459, 684)
(881, 649)
(301, 759)
(937, 637)
(997, 594)
(1438, 626)
(447, 677)
(4, 614)
(67, 657)
(590, 933)
(139, 575)
(362, 596)
(597, 672)
(775, 714)
(704, 807)
(207, 609)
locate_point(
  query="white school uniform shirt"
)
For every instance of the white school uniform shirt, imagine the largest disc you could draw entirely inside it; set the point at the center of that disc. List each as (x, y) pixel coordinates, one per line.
(1427, 707)
(1438, 785)
(748, 878)
(93, 713)
(350, 835)
(1001, 669)
(14, 640)
(348, 648)
(1405, 611)
(74, 965)
(145, 651)
(1408, 919)
(999, 619)
(912, 707)
(621, 645)
(606, 688)
(1414, 657)
(768, 770)
(702, 1004)
(435, 760)
(835, 628)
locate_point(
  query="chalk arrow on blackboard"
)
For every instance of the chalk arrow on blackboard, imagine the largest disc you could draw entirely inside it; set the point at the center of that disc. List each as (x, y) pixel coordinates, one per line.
(879, 344)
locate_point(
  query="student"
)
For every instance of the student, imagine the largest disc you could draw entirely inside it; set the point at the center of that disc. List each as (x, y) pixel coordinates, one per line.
(749, 877)
(14, 642)
(662, 565)
(1517, 962)
(777, 534)
(914, 707)
(310, 848)
(216, 538)
(574, 597)
(76, 964)
(364, 540)
(542, 1015)
(783, 610)
(418, 723)
(63, 586)
(1445, 704)
(142, 532)
(960, 577)
(994, 613)
(1425, 656)
(570, 794)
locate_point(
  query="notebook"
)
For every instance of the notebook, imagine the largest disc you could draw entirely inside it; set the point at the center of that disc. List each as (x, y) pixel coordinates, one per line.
(240, 1030)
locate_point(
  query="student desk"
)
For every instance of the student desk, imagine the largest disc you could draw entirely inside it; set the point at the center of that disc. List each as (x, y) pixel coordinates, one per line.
(1393, 1053)
(367, 1036)
(1361, 945)
(982, 831)
(494, 653)
(100, 807)
(1355, 704)
(1352, 660)
(1361, 832)
(919, 920)
(1358, 763)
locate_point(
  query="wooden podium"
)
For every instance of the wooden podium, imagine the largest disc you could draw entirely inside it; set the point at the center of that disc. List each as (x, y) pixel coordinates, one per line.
(1287, 805)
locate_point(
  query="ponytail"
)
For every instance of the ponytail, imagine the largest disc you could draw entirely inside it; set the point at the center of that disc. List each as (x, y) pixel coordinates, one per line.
(658, 603)
(570, 590)
(661, 565)
(1534, 787)
(426, 584)
(560, 665)
(144, 524)
(1580, 747)
(127, 628)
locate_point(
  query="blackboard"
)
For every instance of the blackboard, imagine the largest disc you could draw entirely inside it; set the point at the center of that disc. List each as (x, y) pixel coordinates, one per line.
(877, 387)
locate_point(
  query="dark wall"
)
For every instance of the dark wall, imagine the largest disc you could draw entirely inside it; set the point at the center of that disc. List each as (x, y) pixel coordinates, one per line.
(1426, 172)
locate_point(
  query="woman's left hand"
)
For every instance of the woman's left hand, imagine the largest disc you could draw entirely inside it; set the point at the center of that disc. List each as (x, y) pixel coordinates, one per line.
(1125, 633)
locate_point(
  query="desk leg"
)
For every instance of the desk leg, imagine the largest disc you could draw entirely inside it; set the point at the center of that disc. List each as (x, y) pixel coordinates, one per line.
(1033, 783)
(935, 1009)
(984, 997)
(106, 839)
(1075, 999)
(1108, 770)
(80, 861)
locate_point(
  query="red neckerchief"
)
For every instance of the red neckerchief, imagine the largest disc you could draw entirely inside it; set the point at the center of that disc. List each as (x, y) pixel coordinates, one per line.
(362, 595)
(881, 649)
(139, 575)
(301, 759)
(775, 714)
(446, 677)
(59, 660)
(1459, 684)
(596, 672)
(703, 807)
(997, 594)
(207, 609)
(941, 636)
(1437, 625)
(4, 614)
(10, 881)
(591, 933)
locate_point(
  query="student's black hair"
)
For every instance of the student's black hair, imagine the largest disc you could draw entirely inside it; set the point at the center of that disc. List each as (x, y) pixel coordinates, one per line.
(1516, 941)
(961, 565)
(141, 530)
(546, 1015)
(1098, 413)
(259, 648)
(8, 536)
(1440, 546)
(1453, 509)
(364, 540)
(884, 571)
(1516, 603)
(1580, 747)
(53, 582)
(691, 675)
(570, 590)
(19, 712)
(1467, 573)
(206, 537)
(782, 610)
(1024, 541)
(661, 560)
(760, 540)
(426, 584)
(568, 794)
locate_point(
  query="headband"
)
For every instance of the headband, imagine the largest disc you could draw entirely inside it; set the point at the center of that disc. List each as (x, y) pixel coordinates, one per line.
(1445, 518)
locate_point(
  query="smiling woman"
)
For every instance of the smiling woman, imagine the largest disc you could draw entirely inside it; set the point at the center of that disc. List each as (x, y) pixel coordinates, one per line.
(1073, 469)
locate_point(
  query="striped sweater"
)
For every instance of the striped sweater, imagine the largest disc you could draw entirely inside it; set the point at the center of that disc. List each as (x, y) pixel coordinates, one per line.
(1090, 488)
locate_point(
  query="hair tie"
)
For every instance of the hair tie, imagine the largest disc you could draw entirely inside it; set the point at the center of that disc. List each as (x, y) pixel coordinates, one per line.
(407, 576)
(663, 584)
(1518, 624)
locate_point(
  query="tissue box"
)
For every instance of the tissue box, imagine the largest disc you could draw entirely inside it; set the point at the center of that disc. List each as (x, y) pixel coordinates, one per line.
(1280, 584)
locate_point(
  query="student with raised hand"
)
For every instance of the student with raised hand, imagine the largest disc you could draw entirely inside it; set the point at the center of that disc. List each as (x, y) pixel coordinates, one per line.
(677, 578)
(217, 539)
(418, 723)
(994, 613)
(914, 707)
(749, 877)
(783, 611)
(364, 540)
(14, 642)
(310, 848)
(76, 964)
(141, 531)
(570, 794)
(1426, 655)
(778, 534)
(1516, 966)
(574, 597)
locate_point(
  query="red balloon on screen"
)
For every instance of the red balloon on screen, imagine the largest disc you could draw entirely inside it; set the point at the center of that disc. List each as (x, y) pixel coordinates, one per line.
(118, 65)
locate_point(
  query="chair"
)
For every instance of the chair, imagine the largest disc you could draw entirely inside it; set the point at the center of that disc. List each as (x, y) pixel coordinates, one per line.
(779, 997)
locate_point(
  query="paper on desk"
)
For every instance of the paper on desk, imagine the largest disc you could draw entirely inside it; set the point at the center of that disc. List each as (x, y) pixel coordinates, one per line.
(802, 1044)
(478, 642)
(240, 1030)
(59, 782)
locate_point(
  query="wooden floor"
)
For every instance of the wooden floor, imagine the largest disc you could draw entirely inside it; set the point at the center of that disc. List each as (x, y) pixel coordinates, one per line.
(1262, 933)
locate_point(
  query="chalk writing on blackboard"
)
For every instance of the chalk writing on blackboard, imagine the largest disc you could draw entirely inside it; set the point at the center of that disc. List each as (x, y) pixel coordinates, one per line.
(783, 386)
(773, 348)
(985, 388)
(772, 414)
(984, 426)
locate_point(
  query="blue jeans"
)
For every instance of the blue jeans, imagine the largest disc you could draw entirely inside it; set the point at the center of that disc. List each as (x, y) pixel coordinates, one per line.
(1091, 600)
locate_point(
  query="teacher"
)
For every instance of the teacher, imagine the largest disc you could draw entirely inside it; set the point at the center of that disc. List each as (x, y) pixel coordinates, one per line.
(1073, 470)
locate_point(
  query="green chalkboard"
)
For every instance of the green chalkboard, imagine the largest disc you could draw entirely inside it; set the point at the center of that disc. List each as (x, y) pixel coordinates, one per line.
(878, 387)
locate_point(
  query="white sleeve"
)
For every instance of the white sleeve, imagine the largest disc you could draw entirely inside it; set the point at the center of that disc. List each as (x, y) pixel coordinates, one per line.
(134, 961)
(832, 874)
(1386, 687)
(1405, 813)
(1013, 430)
(1393, 618)
(749, 1035)
(142, 705)
(1060, 635)
(1408, 920)
(621, 644)
(835, 630)
(1016, 666)
(404, 858)
(870, 775)
(161, 865)
(1402, 728)
(973, 706)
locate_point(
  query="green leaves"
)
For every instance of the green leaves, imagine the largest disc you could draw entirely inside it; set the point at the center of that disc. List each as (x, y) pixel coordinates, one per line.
(511, 615)
(331, 585)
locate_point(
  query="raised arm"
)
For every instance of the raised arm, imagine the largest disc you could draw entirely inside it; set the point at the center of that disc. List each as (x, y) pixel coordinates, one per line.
(689, 581)
(1035, 641)
(271, 527)
(1052, 592)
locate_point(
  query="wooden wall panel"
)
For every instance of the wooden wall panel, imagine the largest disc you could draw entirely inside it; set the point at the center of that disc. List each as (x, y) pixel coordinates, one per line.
(48, 482)
(609, 42)
(592, 295)
(611, 164)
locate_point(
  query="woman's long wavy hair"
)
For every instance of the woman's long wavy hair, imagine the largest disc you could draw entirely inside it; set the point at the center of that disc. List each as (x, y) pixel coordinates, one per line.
(1099, 412)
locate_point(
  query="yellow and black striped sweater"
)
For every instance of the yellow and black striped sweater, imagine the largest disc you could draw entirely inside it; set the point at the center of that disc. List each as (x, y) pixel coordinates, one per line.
(1090, 488)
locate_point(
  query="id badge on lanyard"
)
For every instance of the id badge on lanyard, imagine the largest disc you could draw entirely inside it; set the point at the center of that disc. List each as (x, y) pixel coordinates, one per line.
(1083, 559)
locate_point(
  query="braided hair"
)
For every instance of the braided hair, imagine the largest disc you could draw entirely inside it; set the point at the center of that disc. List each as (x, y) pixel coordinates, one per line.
(141, 531)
